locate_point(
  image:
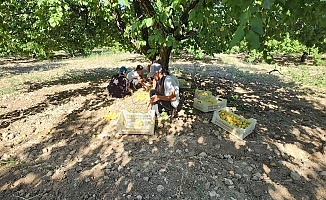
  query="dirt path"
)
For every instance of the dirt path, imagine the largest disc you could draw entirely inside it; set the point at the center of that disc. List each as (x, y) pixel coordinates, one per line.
(56, 144)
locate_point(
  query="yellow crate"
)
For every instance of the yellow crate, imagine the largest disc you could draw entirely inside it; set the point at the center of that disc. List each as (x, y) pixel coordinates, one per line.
(237, 132)
(203, 94)
(136, 123)
(184, 84)
(206, 106)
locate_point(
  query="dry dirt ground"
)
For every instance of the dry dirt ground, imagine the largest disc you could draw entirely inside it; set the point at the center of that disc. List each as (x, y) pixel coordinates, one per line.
(55, 143)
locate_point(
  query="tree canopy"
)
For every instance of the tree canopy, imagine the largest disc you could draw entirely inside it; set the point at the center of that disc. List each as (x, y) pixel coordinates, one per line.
(155, 28)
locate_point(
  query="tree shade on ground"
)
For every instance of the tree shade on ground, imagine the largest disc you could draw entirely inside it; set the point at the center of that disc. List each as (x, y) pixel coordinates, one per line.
(156, 28)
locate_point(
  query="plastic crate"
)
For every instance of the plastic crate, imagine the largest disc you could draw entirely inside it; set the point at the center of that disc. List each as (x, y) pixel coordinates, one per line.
(136, 123)
(237, 132)
(199, 95)
(184, 84)
(204, 106)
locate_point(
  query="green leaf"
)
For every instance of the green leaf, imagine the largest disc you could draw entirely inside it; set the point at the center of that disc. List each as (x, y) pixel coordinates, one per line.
(238, 36)
(256, 25)
(134, 27)
(169, 41)
(192, 15)
(245, 4)
(141, 43)
(175, 3)
(244, 17)
(40, 2)
(267, 4)
(159, 4)
(124, 2)
(66, 6)
(52, 22)
(170, 23)
(253, 9)
(200, 18)
(253, 39)
(149, 22)
(154, 38)
(151, 52)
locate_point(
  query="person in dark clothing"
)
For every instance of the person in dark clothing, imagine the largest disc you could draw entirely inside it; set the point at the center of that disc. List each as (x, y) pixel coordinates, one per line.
(119, 84)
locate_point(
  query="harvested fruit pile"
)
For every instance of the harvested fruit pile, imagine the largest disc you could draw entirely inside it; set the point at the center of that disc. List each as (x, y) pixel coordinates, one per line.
(111, 115)
(211, 101)
(206, 102)
(141, 96)
(205, 94)
(139, 123)
(234, 120)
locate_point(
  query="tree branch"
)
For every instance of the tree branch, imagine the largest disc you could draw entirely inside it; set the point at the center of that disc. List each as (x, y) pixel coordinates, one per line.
(184, 22)
(185, 14)
(149, 9)
(23, 13)
(120, 23)
(144, 30)
(189, 34)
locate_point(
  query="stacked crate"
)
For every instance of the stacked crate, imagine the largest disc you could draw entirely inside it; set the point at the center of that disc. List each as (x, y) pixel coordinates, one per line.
(206, 102)
(223, 116)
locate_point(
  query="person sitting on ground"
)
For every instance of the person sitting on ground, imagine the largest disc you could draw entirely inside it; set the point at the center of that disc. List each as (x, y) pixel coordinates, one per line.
(119, 84)
(165, 96)
(173, 77)
(152, 81)
(137, 79)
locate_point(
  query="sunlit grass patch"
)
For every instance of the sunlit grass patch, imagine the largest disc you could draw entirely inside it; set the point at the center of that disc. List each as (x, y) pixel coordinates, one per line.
(308, 75)
(88, 69)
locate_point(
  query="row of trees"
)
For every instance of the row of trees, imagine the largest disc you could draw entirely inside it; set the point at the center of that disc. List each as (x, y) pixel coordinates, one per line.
(156, 28)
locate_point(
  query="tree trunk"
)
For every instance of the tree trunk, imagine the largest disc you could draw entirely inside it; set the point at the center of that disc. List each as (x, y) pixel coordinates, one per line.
(165, 53)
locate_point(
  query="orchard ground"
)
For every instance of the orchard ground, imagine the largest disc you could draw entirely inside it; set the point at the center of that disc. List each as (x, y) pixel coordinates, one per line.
(55, 143)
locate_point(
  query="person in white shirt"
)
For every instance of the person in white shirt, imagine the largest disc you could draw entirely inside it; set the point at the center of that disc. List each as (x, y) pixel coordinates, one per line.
(173, 77)
(166, 93)
(136, 78)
